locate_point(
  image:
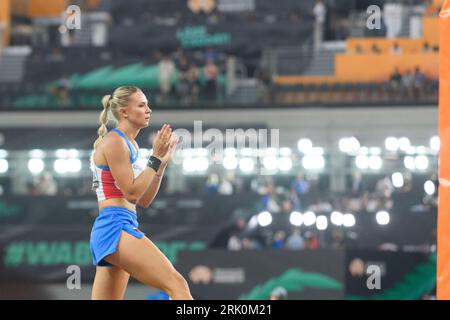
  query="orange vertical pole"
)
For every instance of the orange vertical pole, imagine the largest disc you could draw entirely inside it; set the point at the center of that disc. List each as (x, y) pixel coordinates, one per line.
(443, 245)
(5, 18)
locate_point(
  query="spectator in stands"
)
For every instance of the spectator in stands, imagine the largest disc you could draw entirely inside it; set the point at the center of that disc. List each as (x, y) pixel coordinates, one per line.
(278, 240)
(384, 187)
(337, 239)
(45, 185)
(431, 200)
(375, 49)
(286, 207)
(226, 186)
(212, 184)
(182, 85)
(319, 13)
(295, 241)
(211, 72)
(194, 82)
(408, 84)
(211, 55)
(426, 48)
(166, 75)
(250, 244)
(55, 56)
(395, 80)
(312, 241)
(234, 243)
(300, 185)
(264, 85)
(62, 90)
(357, 187)
(279, 293)
(395, 49)
(419, 83)
(358, 49)
(177, 56)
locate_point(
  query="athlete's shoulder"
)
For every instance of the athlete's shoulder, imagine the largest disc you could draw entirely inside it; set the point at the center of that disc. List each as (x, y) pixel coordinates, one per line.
(112, 139)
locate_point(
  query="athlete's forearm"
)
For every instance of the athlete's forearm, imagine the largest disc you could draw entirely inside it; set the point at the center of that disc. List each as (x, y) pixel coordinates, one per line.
(149, 195)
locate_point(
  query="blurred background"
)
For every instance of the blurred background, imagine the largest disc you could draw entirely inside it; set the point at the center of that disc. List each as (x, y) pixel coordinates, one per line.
(351, 187)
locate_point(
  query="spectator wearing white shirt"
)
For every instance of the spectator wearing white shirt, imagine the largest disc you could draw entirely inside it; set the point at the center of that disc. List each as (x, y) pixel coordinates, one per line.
(320, 13)
(166, 74)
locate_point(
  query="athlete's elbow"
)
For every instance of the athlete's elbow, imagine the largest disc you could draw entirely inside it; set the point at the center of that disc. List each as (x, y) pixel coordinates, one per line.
(144, 205)
(131, 197)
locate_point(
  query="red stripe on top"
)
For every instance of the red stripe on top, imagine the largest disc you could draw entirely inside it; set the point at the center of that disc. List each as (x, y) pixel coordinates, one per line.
(109, 187)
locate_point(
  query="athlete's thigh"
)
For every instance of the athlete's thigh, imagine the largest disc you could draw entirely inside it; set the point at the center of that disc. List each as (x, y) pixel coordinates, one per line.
(143, 261)
(110, 283)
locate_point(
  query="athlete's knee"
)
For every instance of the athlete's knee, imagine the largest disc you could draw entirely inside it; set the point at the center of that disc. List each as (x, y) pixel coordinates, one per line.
(177, 282)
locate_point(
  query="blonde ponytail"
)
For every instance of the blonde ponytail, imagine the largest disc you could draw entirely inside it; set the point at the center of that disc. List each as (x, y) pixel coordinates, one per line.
(120, 98)
(103, 119)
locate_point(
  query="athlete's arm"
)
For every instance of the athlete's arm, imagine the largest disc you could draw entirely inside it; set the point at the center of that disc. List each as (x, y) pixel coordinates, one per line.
(151, 192)
(117, 156)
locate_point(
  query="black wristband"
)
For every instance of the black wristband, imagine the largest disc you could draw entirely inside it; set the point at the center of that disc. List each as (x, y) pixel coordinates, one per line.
(154, 163)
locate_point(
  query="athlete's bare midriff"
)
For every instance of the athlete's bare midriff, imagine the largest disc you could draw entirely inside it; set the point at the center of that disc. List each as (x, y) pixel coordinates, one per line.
(117, 202)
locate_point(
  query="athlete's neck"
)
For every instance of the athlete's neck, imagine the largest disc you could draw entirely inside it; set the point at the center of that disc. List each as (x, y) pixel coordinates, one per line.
(130, 133)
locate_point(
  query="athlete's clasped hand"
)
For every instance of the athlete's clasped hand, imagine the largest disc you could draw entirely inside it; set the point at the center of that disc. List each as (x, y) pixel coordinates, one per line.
(164, 144)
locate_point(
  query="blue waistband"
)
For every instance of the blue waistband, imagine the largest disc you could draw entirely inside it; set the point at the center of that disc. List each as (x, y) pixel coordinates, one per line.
(116, 209)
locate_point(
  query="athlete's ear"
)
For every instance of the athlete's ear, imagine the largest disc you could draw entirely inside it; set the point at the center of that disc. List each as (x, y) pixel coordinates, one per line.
(123, 112)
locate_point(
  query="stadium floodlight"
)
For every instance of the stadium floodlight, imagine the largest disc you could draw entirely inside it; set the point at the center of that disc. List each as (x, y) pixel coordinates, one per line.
(35, 165)
(313, 162)
(62, 153)
(201, 164)
(315, 151)
(3, 154)
(363, 151)
(61, 166)
(375, 151)
(421, 150)
(246, 152)
(349, 220)
(397, 179)
(429, 187)
(36, 154)
(337, 218)
(246, 165)
(296, 218)
(349, 144)
(362, 162)
(73, 153)
(391, 144)
(189, 165)
(270, 163)
(228, 152)
(421, 162)
(435, 143)
(321, 223)
(230, 162)
(309, 218)
(375, 162)
(410, 163)
(73, 165)
(285, 152)
(404, 143)
(304, 145)
(383, 217)
(264, 219)
(284, 164)
(3, 165)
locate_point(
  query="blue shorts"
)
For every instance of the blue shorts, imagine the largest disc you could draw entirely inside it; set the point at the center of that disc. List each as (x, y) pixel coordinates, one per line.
(105, 234)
